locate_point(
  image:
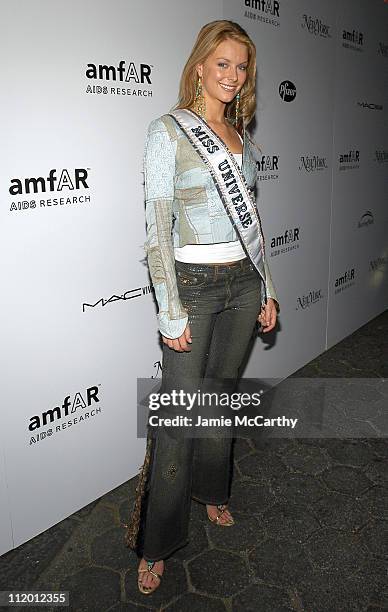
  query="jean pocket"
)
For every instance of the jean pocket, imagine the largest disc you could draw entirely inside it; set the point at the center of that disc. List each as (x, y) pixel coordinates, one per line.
(191, 278)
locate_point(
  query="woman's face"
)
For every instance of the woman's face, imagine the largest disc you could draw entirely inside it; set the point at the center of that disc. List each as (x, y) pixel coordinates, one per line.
(224, 71)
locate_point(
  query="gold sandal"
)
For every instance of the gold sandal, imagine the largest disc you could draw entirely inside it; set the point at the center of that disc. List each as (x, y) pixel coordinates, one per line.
(150, 589)
(216, 519)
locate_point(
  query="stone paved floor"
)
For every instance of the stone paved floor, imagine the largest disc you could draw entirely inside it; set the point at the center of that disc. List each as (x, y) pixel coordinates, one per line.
(311, 532)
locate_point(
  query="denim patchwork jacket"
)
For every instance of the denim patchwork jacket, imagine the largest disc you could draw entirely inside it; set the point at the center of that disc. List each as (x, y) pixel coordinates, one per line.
(183, 207)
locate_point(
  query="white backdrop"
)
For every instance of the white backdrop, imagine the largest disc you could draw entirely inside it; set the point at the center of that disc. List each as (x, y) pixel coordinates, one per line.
(77, 304)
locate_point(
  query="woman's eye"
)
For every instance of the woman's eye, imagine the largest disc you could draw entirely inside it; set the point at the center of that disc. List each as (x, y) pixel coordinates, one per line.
(223, 64)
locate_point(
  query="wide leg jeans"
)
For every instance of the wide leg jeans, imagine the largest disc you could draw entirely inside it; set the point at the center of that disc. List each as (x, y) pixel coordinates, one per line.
(223, 302)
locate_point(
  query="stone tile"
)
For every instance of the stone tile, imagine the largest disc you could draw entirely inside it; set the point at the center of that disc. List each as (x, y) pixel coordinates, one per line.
(362, 410)
(378, 471)
(280, 563)
(341, 511)
(350, 391)
(380, 421)
(373, 575)
(250, 497)
(101, 519)
(263, 467)
(346, 480)
(376, 501)
(262, 598)
(240, 537)
(174, 584)
(92, 588)
(218, 573)
(75, 554)
(309, 460)
(191, 602)
(329, 594)
(378, 446)
(375, 538)
(299, 489)
(273, 445)
(110, 550)
(285, 521)
(306, 443)
(334, 552)
(350, 452)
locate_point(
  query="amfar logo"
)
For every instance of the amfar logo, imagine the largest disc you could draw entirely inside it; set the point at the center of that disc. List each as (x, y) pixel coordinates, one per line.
(264, 6)
(344, 281)
(349, 160)
(313, 163)
(315, 26)
(268, 167)
(366, 219)
(351, 157)
(381, 156)
(287, 91)
(128, 295)
(352, 39)
(310, 298)
(285, 242)
(68, 179)
(382, 49)
(69, 406)
(140, 73)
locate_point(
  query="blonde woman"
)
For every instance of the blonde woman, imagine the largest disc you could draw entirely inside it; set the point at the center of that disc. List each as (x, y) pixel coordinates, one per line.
(205, 252)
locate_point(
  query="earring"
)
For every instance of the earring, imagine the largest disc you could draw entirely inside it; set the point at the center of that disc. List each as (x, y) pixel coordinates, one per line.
(200, 102)
(237, 109)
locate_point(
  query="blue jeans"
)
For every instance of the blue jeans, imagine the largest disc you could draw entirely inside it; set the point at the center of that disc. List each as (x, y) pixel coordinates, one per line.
(223, 302)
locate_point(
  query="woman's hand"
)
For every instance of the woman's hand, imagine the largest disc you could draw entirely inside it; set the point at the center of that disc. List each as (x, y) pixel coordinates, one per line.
(267, 316)
(180, 344)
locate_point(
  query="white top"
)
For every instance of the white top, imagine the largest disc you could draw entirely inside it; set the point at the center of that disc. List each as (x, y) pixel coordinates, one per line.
(212, 253)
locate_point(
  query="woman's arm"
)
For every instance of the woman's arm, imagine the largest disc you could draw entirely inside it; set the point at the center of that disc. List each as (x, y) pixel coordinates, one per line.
(159, 174)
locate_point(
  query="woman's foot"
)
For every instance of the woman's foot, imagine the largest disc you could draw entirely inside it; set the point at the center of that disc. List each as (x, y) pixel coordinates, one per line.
(147, 580)
(220, 511)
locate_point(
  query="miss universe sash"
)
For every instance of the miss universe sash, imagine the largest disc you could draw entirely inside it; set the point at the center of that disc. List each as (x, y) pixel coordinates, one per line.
(229, 180)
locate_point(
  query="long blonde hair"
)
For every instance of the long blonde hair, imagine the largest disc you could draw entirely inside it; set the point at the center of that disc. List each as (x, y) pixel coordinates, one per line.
(209, 37)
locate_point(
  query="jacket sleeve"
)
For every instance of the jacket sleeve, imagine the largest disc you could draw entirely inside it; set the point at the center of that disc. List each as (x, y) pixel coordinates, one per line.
(267, 289)
(270, 290)
(159, 175)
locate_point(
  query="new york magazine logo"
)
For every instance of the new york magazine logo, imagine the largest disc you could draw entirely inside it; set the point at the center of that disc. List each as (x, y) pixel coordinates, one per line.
(315, 26)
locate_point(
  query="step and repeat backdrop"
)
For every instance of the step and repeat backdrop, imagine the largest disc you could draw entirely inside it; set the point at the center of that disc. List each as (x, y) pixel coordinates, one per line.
(80, 83)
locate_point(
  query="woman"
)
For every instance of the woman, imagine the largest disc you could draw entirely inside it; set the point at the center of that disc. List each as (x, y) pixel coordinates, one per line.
(209, 274)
